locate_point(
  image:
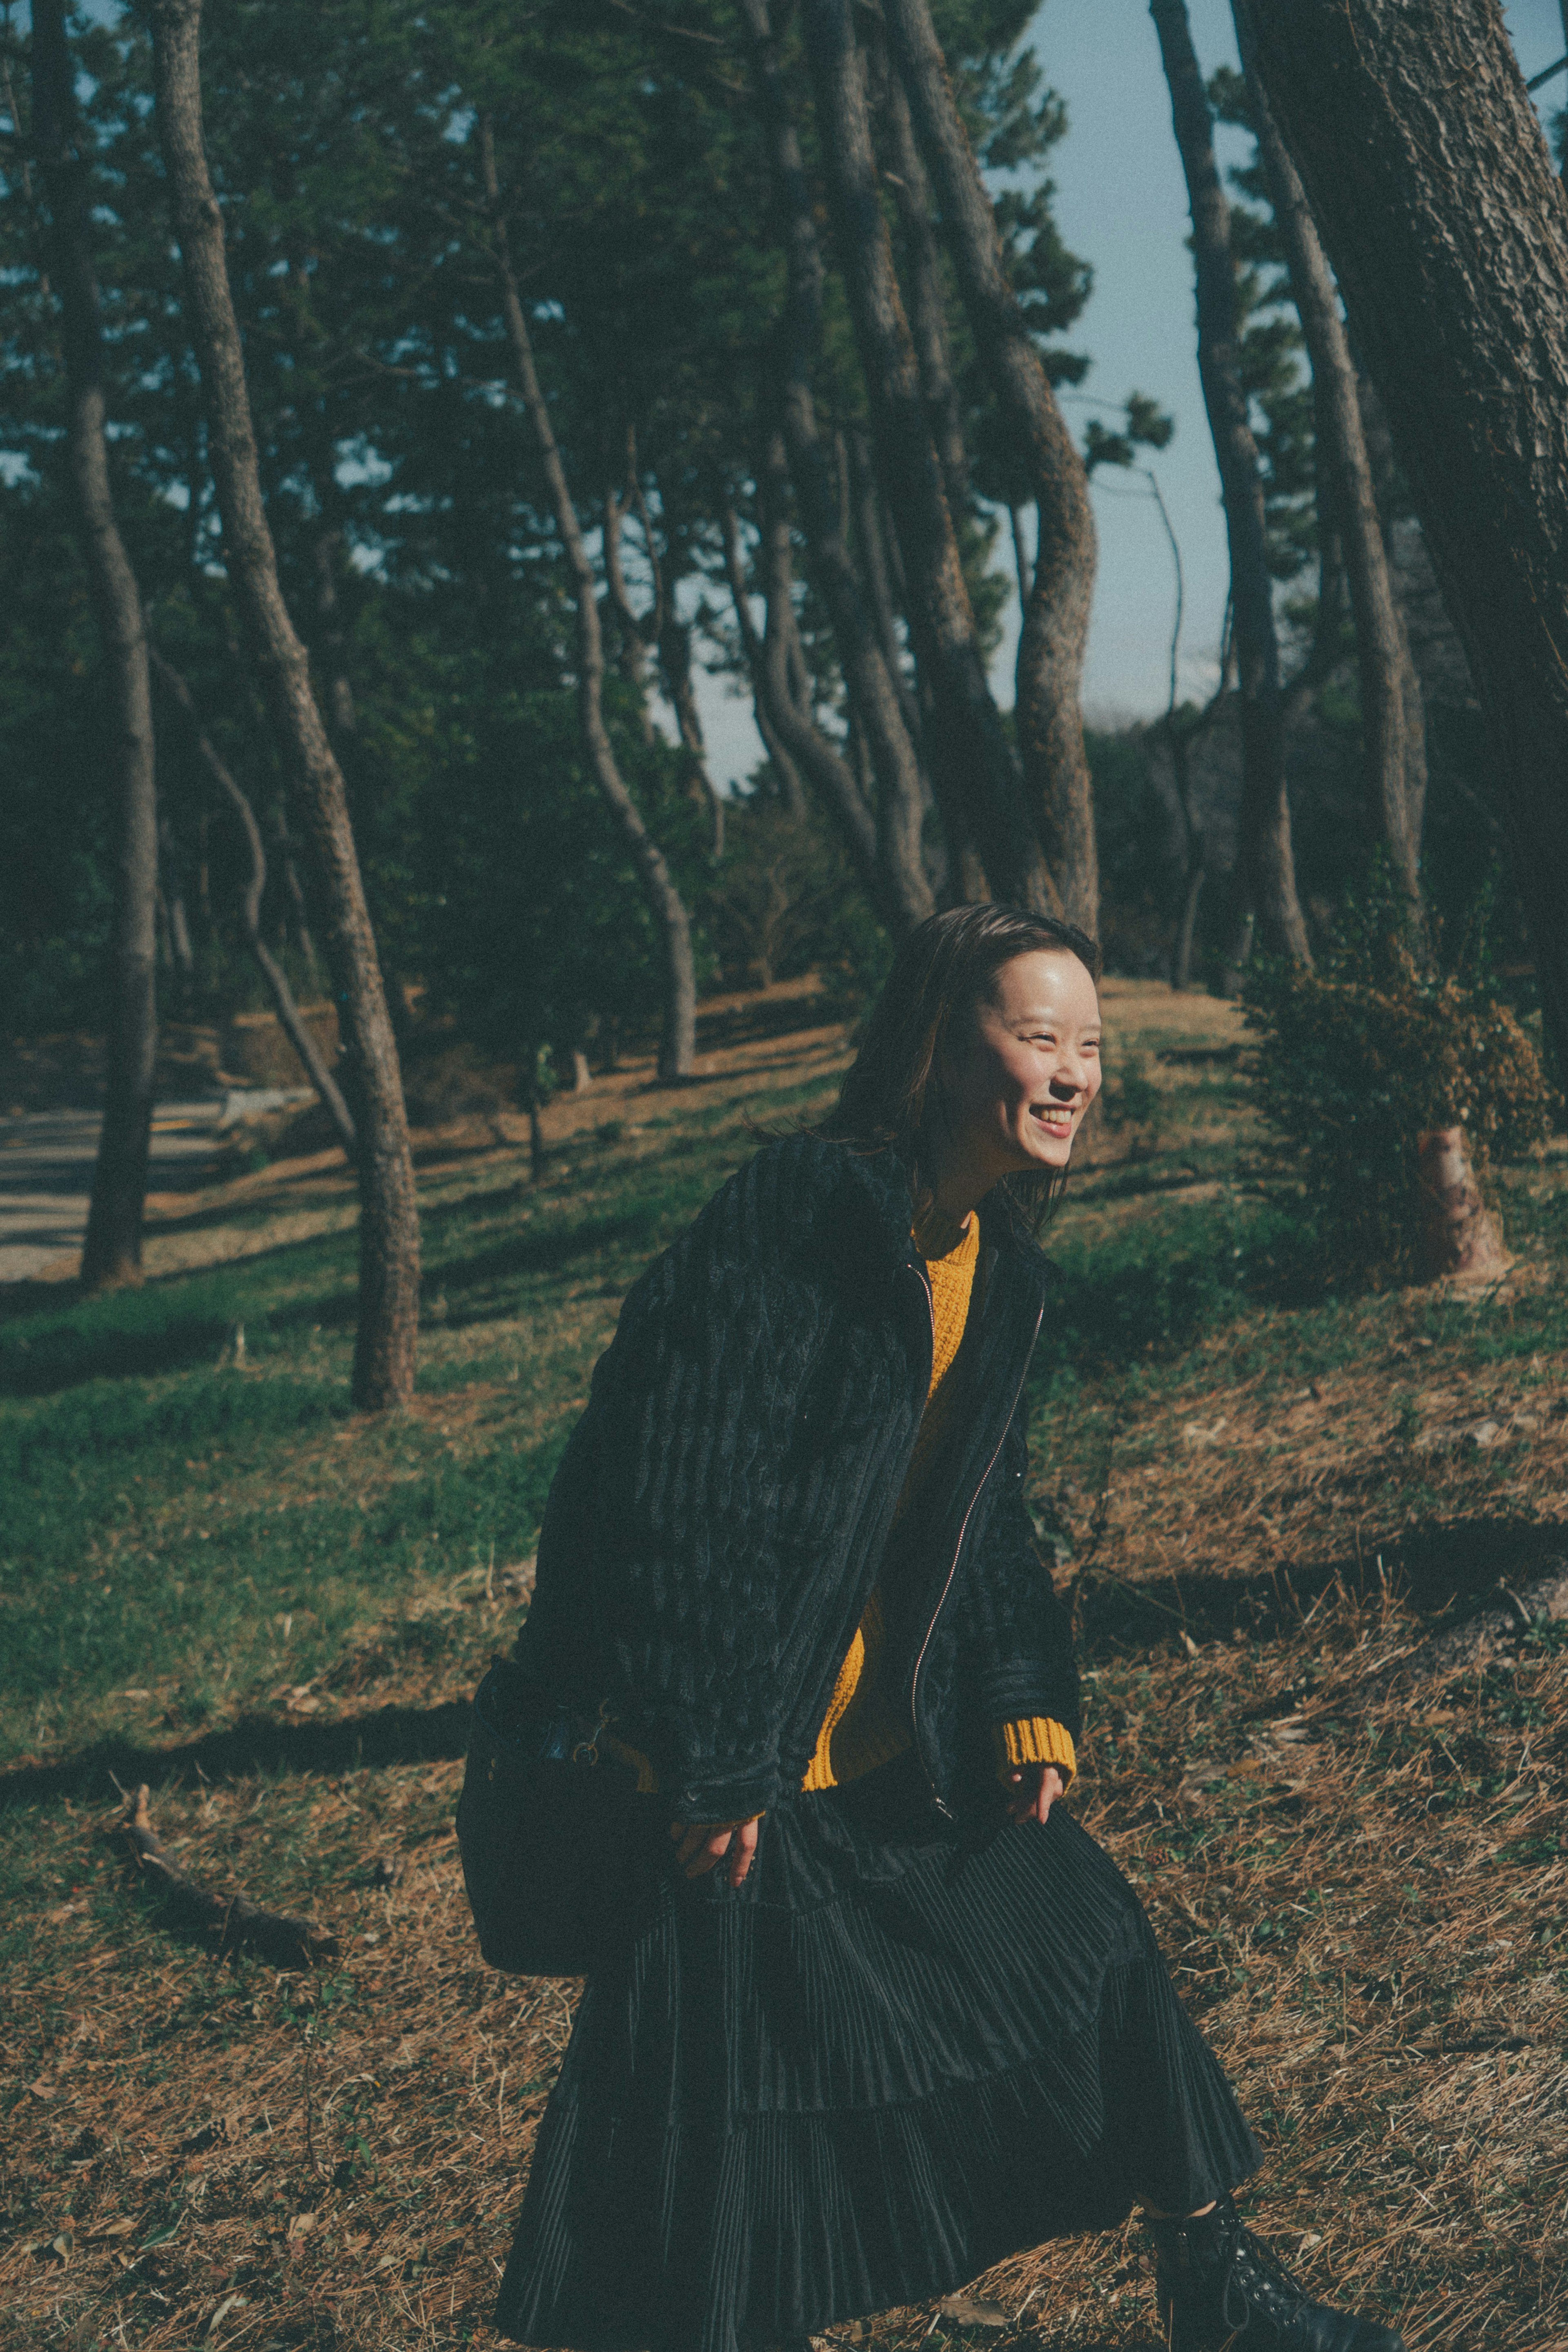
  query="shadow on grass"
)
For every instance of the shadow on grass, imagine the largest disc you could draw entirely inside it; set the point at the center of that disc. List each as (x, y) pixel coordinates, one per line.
(1435, 1570)
(392, 1735)
(135, 1335)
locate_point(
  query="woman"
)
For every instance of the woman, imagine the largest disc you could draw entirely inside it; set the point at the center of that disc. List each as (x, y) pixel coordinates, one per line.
(883, 2013)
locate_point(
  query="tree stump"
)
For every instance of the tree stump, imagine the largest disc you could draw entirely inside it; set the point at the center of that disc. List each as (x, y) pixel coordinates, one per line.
(1458, 1233)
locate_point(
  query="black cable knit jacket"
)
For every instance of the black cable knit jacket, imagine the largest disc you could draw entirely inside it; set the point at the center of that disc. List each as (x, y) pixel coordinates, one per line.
(723, 1507)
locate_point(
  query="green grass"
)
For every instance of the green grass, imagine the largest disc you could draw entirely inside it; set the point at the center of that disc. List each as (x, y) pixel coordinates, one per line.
(302, 1598)
(167, 1509)
(207, 1533)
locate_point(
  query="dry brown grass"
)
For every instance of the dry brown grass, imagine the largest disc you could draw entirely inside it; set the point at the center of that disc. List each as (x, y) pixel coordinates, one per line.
(1365, 1899)
(1356, 1900)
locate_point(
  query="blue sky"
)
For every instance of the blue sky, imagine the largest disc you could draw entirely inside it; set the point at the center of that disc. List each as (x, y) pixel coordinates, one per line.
(1122, 204)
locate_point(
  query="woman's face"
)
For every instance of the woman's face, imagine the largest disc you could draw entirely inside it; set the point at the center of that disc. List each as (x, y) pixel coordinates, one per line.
(1016, 1084)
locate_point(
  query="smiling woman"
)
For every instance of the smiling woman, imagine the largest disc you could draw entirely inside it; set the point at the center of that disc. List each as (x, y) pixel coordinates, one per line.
(866, 2011)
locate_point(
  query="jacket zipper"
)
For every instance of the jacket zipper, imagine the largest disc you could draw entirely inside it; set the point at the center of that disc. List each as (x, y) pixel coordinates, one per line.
(943, 1807)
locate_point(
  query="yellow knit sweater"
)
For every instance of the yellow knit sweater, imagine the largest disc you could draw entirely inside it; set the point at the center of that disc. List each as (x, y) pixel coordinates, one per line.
(868, 1720)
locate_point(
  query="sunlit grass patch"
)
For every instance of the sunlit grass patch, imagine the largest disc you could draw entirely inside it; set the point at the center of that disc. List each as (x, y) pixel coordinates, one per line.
(214, 1577)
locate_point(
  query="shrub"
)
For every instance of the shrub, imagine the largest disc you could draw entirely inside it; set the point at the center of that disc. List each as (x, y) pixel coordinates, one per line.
(1355, 1060)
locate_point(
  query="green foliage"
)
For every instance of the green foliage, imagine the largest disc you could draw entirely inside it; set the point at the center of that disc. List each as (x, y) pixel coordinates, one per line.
(783, 900)
(1356, 1059)
(417, 547)
(1146, 426)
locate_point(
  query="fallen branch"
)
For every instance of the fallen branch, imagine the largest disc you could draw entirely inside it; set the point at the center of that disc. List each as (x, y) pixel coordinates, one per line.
(277, 1936)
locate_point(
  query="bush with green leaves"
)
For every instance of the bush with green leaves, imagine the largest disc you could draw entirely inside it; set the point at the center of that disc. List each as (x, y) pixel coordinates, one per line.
(1355, 1060)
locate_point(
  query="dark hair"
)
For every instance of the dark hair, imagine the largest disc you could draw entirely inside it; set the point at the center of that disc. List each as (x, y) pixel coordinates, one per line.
(943, 970)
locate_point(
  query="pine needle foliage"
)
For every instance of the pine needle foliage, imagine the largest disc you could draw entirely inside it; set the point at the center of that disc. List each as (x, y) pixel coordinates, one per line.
(1355, 1059)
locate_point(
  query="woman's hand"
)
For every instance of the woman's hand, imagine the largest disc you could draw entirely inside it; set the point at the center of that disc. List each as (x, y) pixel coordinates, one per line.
(1034, 1790)
(702, 1845)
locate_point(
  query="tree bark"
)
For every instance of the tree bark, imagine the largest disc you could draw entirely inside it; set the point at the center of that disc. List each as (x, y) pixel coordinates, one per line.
(906, 176)
(294, 890)
(1179, 742)
(751, 646)
(111, 1254)
(973, 769)
(389, 1220)
(1022, 563)
(872, 688)
(871, 543)
(1268, 863)
(1382, 653)
(181, 951)
(803, 740)
(291, 1021)
(630, 646)
(676, 670)
(677, 1042)
(1458, 1232)
(1447, 229)
(1049, 674)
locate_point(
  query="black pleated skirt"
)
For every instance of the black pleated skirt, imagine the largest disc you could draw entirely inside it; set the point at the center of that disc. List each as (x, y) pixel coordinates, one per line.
(893, 2056)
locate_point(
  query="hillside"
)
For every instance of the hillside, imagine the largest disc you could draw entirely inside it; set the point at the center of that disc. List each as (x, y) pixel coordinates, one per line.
(1312, 1544)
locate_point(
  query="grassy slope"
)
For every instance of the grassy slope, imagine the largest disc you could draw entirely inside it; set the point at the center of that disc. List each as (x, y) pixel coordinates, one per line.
(216, 1579)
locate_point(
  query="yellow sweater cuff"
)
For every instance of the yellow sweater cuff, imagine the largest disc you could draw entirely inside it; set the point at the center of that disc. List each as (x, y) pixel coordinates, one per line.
(1034, 1740)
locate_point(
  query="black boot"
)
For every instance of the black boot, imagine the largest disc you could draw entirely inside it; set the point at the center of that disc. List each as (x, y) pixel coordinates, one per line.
(1221, 2291)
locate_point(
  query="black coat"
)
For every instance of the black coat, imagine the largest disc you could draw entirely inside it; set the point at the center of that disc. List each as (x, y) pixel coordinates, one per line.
(721, 1513)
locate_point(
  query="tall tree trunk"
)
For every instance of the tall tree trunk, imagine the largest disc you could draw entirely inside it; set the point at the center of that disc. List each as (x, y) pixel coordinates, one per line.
(676, 670)
(872, 688)
(1049, 675)
(111, 1253)
(1381, 652)
(1447, 229)
(677, 1042)
(332, 641)
(665, 630)
(630, 644)
(829, 775)
(1023, 563)
(922, 274)
(180, 949)
(292, 1022)
(1179, 741)
(751, 643)
(1268, 863)
(1385, 488)
(389, 1218)
(294, 891)
(871, 545)
(973, 768)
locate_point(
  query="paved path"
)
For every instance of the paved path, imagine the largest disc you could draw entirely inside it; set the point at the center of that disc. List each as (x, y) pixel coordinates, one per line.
(46, 1171)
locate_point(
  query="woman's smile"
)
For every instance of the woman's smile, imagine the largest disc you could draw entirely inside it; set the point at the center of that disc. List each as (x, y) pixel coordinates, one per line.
(1017, 1082)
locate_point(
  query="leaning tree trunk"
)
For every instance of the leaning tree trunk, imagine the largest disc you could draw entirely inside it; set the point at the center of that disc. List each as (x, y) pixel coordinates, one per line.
(290, 1019)
(795, 728)
(389, 1218)
(1382, 655)
(677, 1042)
(792, 792)
(112, 1251)
(872, 688)
(973, 769)
(676, 670)
(1447, 229)
(1055, 632)
(1268, 861)
(927, 298)
(631, 641)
